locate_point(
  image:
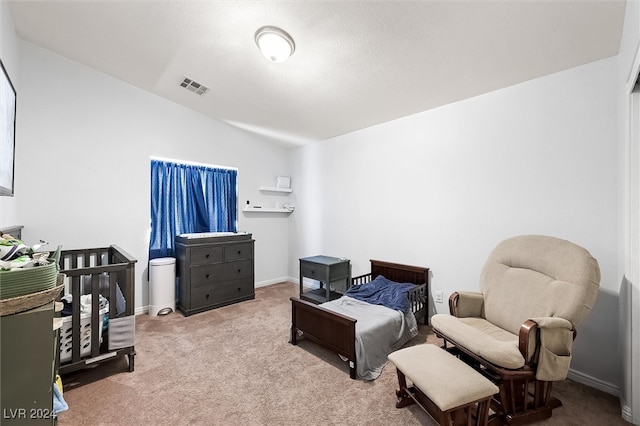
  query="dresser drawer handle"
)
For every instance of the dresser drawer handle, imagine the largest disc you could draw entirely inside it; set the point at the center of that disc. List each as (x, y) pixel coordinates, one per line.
(239, 270)
(206, 296)
(207, 256)
(207, 276)
(239, 251)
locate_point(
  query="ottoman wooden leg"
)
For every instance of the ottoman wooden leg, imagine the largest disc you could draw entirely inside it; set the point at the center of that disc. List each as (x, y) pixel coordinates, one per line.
(483, 412)
(404, 398)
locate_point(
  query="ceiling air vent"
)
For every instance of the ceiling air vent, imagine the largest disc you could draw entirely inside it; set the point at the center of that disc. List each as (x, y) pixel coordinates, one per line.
(194, 86)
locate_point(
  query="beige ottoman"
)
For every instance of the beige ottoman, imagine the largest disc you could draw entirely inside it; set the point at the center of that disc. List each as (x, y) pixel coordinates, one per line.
(449, 390)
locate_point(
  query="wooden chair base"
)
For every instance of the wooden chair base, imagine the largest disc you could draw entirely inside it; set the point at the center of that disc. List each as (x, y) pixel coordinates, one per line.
(522, 399)
(524, 417)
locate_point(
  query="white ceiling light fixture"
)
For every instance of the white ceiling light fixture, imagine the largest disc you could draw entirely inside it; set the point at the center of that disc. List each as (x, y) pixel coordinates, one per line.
(274, 43)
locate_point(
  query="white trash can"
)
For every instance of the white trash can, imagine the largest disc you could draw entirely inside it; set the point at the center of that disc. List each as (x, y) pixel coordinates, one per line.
(162, 286)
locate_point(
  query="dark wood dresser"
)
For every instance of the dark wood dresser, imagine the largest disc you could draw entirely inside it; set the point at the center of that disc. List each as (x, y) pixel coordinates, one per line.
(214, 269)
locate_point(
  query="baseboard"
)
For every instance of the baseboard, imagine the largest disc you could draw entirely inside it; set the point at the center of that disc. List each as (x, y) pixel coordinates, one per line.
(272, 281)
(627, 413)
(145, 309)
(142, 310)
(592, 382)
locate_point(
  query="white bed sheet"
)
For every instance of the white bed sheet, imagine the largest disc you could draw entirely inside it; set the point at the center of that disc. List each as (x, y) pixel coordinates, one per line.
(379, 331)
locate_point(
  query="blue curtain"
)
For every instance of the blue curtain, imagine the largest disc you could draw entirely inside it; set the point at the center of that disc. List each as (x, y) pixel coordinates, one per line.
(189, 198)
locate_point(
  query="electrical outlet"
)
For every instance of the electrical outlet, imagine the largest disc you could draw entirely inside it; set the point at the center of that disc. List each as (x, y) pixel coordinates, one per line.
(438, 297)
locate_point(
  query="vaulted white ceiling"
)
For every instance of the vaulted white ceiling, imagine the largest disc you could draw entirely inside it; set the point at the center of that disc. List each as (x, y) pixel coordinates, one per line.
(356, 63)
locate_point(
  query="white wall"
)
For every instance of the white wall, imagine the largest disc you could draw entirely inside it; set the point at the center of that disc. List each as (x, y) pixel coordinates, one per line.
(629, 205)
(84, 147)
(9, 56)
(443, 187)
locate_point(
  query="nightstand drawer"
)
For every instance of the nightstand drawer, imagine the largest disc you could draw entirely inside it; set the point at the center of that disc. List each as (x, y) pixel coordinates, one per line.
(321, 272)
(314, 271)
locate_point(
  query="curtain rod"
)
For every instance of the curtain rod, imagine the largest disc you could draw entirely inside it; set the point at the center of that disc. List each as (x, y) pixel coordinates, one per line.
(193, 163)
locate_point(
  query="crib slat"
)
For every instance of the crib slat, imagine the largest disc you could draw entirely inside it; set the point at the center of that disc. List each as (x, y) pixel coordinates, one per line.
(96, 324)
(75, 320)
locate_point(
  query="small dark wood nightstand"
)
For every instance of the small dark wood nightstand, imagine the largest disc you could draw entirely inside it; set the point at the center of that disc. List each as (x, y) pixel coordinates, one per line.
(328, 270)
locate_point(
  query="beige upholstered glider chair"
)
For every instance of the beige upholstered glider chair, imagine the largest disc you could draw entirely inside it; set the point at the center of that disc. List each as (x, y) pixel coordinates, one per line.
(519, 329)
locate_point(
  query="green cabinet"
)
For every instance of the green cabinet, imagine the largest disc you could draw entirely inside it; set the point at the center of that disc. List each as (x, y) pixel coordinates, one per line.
(27, 365)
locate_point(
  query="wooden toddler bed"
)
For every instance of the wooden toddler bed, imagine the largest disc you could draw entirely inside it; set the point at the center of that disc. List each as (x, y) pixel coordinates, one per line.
(336, 331)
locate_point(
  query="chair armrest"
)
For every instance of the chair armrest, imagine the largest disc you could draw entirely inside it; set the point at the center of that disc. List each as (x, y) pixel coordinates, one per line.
(528, 337)
(466, 304)
(528, 341)
(552, 322)
(554, 343)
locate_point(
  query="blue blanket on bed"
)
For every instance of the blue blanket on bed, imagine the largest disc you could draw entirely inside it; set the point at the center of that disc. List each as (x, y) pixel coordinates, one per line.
(382, 291)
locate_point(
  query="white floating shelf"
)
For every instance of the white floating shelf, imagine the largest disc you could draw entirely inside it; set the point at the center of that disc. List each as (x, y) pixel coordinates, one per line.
(275, 189)
(265, 210)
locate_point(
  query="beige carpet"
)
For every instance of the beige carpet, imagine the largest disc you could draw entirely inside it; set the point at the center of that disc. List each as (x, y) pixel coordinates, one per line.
(234, 366)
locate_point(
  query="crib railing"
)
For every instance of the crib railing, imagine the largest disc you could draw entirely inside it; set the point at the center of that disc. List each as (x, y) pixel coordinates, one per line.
(99, 272)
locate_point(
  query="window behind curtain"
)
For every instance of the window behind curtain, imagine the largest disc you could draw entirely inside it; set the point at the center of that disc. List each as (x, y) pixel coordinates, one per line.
(187, 198)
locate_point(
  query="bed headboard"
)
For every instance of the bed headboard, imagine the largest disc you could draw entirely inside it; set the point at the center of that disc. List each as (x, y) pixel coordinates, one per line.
(399, 273)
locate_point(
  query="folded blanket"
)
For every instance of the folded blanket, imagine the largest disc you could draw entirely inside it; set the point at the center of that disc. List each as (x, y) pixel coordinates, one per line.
(382, 291)
(59, 404)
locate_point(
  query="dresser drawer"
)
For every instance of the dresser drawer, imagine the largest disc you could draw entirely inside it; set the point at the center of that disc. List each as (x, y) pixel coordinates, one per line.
(206, 254)
(219, 294)
(238, 251)
(218, 273)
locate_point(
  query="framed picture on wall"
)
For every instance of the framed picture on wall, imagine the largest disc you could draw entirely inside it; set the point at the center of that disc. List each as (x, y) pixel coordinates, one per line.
(7, 132)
